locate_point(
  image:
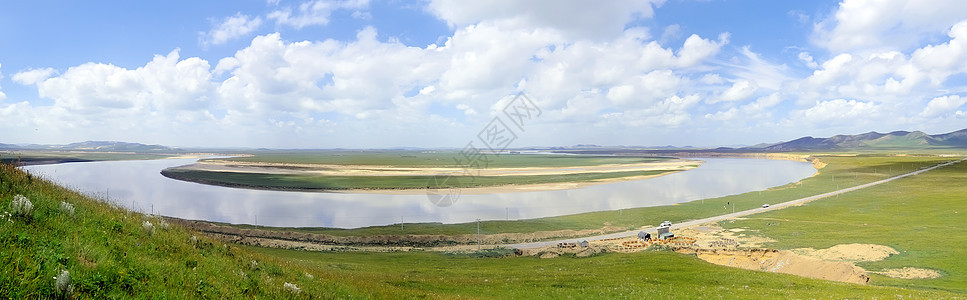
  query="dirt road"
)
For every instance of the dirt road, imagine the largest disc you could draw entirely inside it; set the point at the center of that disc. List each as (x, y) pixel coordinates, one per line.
(720, 218)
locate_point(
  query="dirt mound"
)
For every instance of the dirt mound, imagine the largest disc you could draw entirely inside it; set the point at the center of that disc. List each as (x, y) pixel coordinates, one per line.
(910, 273)
(784, 262)
(849, 252)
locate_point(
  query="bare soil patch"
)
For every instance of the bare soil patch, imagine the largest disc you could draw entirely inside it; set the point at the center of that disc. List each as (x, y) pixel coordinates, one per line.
(849, 252)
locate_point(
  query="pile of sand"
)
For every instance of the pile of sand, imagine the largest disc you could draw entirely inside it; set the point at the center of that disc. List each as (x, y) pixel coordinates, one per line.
(849, 252)
(910, 273)
(787, 262)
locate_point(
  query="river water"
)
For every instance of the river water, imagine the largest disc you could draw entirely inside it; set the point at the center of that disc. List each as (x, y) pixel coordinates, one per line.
(139, 185)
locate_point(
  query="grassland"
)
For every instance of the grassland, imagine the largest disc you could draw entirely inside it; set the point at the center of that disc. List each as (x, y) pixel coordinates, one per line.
(110, 254)
(335, 183)
(924, 217)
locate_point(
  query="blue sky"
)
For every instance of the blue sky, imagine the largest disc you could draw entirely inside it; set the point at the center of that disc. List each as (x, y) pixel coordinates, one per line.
(370, 73)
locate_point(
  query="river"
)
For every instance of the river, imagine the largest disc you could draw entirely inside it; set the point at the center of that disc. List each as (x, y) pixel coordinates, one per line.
(138, 185)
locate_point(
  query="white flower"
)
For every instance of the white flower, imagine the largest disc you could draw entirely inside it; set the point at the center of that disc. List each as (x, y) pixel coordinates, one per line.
(148, 227)
(67, 207)
(63, 282)
(291, 287)
(21, 206)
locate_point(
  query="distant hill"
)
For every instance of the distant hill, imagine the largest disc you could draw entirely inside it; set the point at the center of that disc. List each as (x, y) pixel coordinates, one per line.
(115, 146)
(872, 140)
(106, 146)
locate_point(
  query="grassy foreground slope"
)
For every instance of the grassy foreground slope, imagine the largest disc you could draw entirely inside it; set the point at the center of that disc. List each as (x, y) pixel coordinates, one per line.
(110, 254)
(923, 217)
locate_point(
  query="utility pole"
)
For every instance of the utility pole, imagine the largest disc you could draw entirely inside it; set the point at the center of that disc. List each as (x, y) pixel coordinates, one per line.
(478, 234)
(401, 223)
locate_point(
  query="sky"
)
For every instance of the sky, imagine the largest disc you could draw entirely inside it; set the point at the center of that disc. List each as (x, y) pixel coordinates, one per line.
(443, 73)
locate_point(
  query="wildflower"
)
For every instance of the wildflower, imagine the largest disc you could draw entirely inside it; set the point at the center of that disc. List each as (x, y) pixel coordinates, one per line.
(63, 283)
(148, 227)
(292, 288)
(254, 265)
(309, 275)
(67, 207)
(22, 206)
(164, 225)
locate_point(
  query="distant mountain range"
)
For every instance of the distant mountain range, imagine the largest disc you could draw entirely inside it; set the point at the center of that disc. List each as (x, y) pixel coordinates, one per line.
(105, 146)
(872, 140)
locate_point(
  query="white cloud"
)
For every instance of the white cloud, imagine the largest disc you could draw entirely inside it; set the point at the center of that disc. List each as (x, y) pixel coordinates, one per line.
(740, 90)
(940, 106)
(573, 18)
(230, 28)
(884, 25)
(838, 112)
(316, 12)
(33, 76)
(163, 83)
(808, 60)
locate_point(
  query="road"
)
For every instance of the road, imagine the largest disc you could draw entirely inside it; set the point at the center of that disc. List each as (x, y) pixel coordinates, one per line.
(720, 218)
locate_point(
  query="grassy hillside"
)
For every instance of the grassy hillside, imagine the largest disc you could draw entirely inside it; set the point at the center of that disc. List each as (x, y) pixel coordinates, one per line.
(924, 217)
(110, 253)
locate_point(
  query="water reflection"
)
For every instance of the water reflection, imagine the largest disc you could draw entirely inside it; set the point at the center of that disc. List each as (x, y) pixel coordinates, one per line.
(139, 185)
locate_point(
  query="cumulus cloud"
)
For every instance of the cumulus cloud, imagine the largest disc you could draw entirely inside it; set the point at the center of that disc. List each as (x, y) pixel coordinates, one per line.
(884, 25)
(740, 90)
(164, 83)
(838, 112)
(571, 17)
(230, 28)
(33, 76)
(315, 12)
(943, 105)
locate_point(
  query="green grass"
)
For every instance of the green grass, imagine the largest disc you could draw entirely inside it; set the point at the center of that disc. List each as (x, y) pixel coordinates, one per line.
(321, 182)
(109, 255)
(924, 217)
(648, 275)
(435, 159)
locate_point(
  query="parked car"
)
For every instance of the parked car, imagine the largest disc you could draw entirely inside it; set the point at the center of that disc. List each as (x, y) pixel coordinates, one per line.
(765, 205)
(666, 224)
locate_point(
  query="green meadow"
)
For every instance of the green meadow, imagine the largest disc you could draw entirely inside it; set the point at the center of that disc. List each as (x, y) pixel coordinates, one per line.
(335, 183)
(923, 217)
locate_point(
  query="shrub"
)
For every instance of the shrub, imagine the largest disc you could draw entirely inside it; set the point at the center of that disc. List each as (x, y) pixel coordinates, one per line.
(21, 206)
